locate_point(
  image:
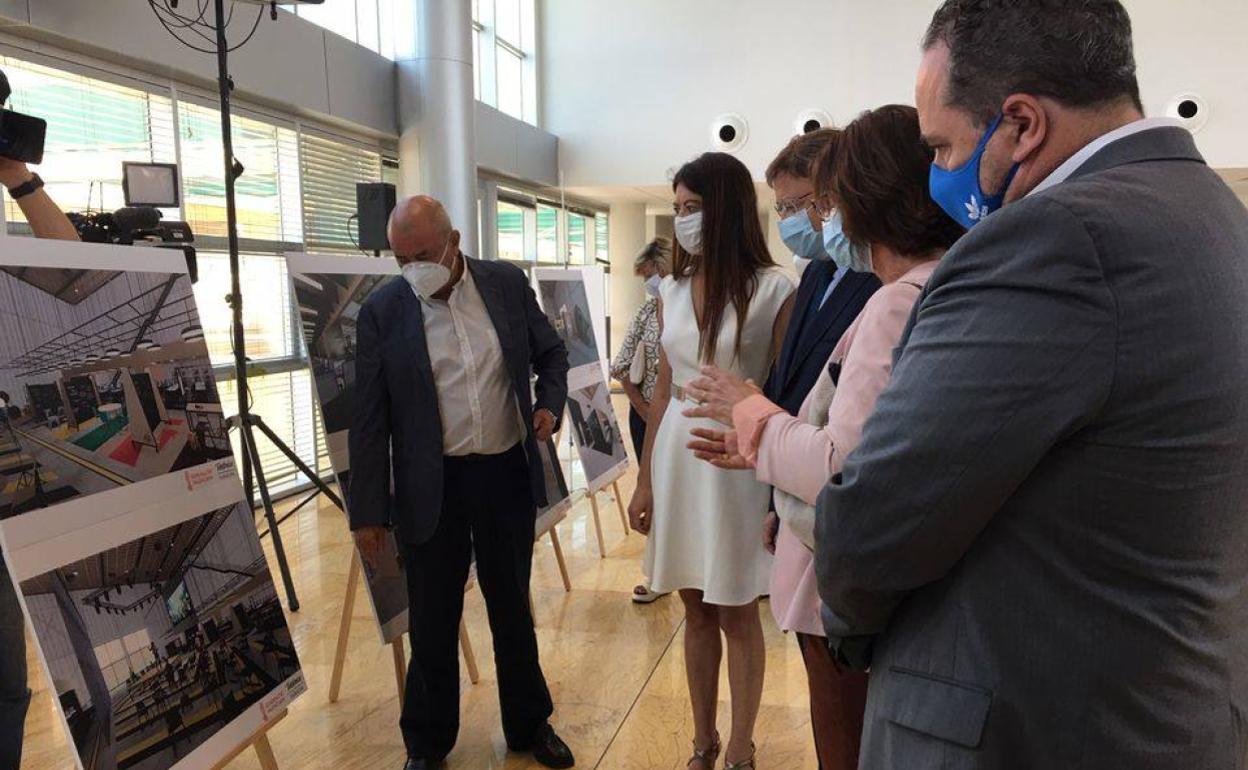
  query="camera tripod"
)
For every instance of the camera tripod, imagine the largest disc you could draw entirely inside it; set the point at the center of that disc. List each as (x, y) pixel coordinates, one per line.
(246, 422)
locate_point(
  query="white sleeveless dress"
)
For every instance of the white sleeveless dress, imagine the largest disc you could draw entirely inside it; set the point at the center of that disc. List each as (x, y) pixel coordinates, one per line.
(707, 530)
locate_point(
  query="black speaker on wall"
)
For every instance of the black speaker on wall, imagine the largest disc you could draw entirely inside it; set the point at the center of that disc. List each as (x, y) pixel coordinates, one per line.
(373, 203)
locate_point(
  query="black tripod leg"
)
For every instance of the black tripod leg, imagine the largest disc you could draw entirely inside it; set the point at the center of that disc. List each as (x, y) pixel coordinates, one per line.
(299, 463)
(249, 446)
(248, 484)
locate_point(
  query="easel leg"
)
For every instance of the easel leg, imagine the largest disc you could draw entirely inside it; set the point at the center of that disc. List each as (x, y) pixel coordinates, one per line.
(619, 503)
(470, 657)
(265, 753)
(563, 565)
(400, 667)
(602, 547)
(344, 627)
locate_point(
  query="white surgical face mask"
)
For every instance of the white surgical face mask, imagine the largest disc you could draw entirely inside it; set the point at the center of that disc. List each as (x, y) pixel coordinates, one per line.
(689, 232)
(427, 278)
(652, 285)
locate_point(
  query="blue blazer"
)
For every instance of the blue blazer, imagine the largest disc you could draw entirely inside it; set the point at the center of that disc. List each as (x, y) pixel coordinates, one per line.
(396, 431)
(809, 341)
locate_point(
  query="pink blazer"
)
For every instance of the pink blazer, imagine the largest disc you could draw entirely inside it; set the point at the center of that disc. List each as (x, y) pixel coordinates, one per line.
(799, 458)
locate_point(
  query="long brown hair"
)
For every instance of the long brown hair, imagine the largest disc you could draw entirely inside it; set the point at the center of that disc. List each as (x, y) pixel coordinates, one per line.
(733, 246)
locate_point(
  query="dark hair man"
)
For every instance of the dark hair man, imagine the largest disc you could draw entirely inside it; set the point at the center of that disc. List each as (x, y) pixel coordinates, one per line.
(445, 408)
(46, 221)
(1038, 545)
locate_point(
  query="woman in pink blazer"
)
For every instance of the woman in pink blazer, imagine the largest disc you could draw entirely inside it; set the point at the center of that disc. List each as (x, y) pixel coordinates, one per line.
(878, 181)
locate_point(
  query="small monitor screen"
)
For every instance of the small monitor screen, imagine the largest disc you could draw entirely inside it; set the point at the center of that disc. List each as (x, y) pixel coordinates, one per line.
(151, 184)
(179, 603)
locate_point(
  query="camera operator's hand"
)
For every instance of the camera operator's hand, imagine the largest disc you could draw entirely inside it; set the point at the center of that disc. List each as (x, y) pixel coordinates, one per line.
(46, 220)
(13, 172)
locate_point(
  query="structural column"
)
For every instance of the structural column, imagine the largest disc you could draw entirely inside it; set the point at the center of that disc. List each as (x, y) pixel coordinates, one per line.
(437, 136)
(628, 236)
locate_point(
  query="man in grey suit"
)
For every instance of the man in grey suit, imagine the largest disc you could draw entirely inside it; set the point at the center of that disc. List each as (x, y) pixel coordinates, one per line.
(1039, 547)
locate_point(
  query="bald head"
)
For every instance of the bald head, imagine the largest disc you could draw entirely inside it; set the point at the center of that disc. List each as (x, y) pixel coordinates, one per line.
(420, 230)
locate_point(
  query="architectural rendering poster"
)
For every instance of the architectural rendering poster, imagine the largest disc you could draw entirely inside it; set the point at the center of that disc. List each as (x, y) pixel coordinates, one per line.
(568, 300)
(123, 522)
(329, 292)
(558, 499)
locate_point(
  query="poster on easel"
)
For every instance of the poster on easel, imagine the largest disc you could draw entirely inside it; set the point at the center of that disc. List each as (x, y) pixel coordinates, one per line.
(329, 292)
(572, 301)
(139, 567)
(558, 497)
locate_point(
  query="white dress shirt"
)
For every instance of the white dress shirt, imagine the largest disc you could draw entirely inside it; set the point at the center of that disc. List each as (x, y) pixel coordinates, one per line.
(836, 280)
(475, 397)
(1072, 164)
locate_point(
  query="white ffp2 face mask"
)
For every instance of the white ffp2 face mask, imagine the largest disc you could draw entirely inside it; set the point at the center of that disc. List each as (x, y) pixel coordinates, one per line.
(428, 278)
(689, 232)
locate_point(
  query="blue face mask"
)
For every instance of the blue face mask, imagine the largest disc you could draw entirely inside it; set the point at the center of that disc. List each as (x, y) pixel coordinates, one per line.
(958, 191)
(837, 244)
(801, 237)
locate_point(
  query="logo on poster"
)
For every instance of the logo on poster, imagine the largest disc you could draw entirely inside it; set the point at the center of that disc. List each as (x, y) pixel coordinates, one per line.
(199, 476)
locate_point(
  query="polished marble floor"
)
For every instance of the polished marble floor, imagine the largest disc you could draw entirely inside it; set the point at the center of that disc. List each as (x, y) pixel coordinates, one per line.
(615, 669)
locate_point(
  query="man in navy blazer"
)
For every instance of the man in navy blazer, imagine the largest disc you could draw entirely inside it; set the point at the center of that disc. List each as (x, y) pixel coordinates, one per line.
(829, 298)
(445, 407)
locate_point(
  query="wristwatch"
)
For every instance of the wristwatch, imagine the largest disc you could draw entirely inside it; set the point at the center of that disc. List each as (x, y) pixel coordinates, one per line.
(26, 188)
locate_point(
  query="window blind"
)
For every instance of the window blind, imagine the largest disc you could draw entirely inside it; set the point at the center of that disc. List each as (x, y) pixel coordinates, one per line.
(93, 126)
(266, 195)
(331, 170)
(285, 401)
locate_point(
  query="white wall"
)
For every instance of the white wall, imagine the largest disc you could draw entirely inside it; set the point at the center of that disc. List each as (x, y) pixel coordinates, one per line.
(631, 88)
(291, 64)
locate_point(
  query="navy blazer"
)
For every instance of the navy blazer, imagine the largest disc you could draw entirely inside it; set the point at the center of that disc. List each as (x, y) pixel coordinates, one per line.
(396, 431)
(809, 341)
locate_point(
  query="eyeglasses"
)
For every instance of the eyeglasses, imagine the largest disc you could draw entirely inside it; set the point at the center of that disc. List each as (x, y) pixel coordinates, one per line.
(690, 207)
(786, 209)
(825, 207)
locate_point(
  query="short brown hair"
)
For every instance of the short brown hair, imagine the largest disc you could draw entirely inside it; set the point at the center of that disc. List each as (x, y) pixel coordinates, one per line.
(881, 184)
(798, 157)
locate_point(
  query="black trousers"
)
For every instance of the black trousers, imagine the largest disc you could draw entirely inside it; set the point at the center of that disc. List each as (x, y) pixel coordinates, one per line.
(637, 430)
(14, 695)
(487, 511)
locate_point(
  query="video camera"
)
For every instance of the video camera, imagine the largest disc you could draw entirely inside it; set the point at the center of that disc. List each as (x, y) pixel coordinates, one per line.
(129, 225)
(21, 136)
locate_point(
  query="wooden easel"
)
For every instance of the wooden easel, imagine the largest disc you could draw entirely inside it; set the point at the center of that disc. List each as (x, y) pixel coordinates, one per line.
(396, 646)
(619, 503)
(563, 565)
(259, 740)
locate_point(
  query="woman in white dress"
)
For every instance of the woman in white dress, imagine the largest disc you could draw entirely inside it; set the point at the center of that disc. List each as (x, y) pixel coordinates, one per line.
(726, 304)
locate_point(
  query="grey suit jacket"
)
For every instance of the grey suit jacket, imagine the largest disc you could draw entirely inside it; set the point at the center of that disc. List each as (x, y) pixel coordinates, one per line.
(1040, 547)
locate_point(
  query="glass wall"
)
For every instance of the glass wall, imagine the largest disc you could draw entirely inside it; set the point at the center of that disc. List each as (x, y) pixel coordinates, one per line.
(368, 22)
(505, 56)
(297, 193)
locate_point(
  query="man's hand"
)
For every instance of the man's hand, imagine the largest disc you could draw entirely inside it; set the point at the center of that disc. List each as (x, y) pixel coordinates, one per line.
(13, 173)
(543, 424)
(371, 542)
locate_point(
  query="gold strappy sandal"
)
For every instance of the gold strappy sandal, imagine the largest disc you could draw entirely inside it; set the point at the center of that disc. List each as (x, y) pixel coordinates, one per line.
(745, 764)
(706, 756)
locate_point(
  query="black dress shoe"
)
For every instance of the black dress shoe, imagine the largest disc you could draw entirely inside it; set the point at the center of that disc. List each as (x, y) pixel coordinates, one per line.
(549, 749)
